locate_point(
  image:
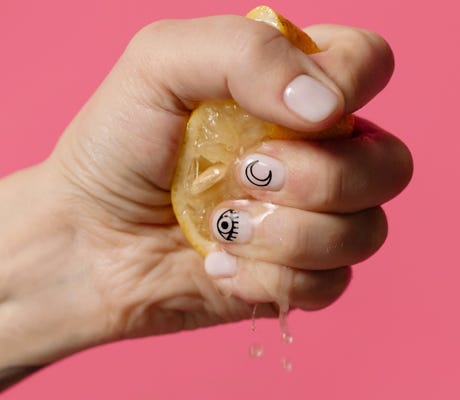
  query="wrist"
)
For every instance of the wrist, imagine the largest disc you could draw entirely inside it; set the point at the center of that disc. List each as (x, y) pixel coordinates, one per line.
(47, 310)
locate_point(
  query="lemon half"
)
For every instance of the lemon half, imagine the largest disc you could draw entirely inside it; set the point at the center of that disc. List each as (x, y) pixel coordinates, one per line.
(217, 134)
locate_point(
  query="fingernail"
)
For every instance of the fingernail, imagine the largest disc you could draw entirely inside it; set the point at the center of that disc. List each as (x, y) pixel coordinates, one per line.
(310, 99)
(220, 264)
(229, 225)
(259, 171)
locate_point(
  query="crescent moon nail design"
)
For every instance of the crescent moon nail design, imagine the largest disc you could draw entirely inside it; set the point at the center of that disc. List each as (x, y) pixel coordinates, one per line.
(259, 171)
(254, 179)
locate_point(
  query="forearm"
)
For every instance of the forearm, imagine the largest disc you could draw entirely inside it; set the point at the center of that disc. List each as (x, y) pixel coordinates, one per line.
(41, 309)
(26, 248)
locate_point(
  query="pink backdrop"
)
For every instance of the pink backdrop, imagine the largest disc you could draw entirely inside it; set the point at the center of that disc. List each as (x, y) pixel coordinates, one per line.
(394, 335)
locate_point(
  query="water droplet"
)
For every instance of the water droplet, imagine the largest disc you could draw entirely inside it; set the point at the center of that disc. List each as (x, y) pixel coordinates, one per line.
(256, 350)
(286, 337)
(286, 364)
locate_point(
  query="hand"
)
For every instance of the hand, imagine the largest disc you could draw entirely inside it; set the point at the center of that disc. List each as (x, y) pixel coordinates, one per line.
(114, 264)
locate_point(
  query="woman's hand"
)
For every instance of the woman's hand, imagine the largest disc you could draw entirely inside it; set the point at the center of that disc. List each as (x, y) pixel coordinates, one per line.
(92, 251)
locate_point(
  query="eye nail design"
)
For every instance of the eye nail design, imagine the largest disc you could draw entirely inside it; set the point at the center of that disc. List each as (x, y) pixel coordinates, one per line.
(232, 226)
(227, 224)
(251, 177)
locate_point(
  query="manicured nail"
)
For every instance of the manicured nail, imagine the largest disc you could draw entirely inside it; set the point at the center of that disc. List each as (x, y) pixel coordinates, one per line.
(259, 171)
(310, 99)
(220, 264)
(229, 225)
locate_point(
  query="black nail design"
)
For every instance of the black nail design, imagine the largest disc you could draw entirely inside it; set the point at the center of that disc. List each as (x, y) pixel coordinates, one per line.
(254, 179)
(227, 225)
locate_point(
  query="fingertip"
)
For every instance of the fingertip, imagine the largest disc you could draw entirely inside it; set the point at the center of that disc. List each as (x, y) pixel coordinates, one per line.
(382, 51)
(220, 264)
(360, 62)
(310, 99)
(401, 169)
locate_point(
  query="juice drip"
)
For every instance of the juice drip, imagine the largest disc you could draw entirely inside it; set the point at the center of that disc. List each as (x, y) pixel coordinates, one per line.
(283, 303)
(256, 350)
(286, 339)
(253, 318)
(285, 334)
(280, 295)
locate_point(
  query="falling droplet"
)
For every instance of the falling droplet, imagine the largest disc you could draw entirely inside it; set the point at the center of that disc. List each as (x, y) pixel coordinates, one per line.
(256, 350)
(286, 337)
(286, 364)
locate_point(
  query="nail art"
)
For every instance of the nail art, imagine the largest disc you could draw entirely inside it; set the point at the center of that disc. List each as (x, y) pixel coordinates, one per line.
(259, 171)
(230, 225)
(251, 177)
(227, 225)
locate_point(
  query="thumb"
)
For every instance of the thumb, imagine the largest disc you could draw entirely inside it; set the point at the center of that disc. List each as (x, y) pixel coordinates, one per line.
(136, 119)
(230, 56)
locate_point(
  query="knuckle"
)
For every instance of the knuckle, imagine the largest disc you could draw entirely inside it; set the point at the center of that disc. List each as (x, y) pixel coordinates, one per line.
(294, 249)
(335, 186)
(136, 57)
(315, 290)
(142, 50)
(405, 163)
(337, 281)
(251, 37)
(146, 63)
(362, 52)
(144, 36)
(378, 48)
(378, 229)
(257, 44)
(367, 234)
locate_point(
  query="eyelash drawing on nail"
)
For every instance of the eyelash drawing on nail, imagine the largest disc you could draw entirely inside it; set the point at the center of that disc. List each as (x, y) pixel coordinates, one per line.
(254, 179)
(227, 224)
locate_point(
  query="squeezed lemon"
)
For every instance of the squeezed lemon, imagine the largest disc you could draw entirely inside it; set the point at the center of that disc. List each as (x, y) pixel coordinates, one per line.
(217, 134)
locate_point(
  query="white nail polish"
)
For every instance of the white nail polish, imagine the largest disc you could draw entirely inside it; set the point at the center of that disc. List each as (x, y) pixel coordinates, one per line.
(310, 99)
(220, 264)
(232, 226)
(259, 171)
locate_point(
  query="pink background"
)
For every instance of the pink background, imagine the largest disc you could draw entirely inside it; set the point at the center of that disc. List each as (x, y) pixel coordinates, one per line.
(394, 335)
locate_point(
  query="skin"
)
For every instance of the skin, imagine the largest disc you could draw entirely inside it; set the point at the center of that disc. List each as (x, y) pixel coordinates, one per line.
(90, 250)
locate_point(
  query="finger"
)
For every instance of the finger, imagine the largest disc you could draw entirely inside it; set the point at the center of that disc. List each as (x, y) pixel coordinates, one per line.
(230, 56)
(329, 176)
(257, 281)
(359, 61)
(296, 238)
